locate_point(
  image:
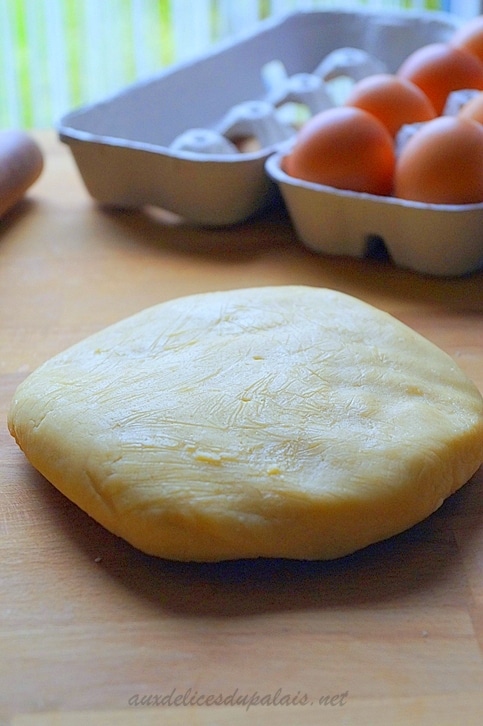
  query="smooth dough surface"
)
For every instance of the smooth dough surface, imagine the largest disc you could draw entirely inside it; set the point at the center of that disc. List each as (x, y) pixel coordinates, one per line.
(271, 422)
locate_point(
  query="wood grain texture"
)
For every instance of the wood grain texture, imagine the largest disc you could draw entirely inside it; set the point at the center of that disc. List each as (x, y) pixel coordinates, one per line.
(87, 622)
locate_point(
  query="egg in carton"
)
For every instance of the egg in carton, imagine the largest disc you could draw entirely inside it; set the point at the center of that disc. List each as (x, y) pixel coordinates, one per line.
(177, 141)
(434, 239)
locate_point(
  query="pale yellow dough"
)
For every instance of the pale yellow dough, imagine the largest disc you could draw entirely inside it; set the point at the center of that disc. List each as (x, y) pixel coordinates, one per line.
(279, 422)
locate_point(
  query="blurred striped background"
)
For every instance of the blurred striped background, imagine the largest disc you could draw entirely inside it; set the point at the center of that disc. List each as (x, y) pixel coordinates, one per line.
(59, 54)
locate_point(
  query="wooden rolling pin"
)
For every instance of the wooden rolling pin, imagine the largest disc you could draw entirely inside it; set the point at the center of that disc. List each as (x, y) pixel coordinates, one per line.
(21, 163)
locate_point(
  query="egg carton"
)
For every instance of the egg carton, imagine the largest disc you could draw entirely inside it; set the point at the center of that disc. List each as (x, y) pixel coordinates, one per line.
(173, 141)
(263, 120)
(440, 240)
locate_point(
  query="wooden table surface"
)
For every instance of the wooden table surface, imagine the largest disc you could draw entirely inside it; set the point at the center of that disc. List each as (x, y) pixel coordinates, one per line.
(89, 627)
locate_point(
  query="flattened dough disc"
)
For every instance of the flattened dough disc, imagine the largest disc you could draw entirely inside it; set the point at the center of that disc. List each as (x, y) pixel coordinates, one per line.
(279, 422)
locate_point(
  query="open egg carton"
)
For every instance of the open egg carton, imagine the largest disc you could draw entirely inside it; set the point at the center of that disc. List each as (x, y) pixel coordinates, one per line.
(204, 139)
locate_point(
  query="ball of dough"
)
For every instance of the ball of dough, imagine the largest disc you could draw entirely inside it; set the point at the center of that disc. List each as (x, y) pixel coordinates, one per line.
(287, 421)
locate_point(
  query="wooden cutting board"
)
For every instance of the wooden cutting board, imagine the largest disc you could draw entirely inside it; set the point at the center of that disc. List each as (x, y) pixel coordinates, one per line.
(94, 632)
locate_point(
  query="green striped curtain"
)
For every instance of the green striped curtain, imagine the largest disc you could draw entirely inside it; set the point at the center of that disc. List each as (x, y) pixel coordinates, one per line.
(59, 54)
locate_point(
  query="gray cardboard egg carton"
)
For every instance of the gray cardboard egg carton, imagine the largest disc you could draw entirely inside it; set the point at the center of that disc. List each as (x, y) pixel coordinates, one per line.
(171, 141)
(261, 120)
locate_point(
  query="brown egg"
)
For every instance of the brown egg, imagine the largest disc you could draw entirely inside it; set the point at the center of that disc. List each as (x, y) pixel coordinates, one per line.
(470, 37)
(393, 100)
(442, 163)
(346, 148)
(440, 68)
